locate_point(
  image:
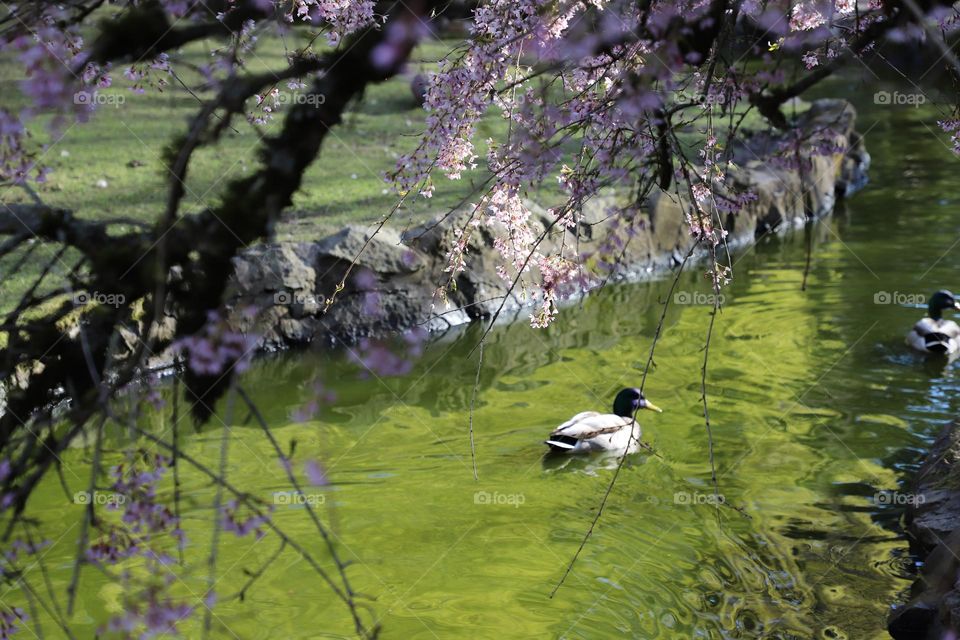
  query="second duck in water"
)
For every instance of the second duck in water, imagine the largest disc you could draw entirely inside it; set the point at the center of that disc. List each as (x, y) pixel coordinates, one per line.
(934, 334)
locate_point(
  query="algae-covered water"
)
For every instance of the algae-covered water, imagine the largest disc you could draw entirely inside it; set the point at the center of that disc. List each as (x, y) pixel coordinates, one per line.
(816, 409)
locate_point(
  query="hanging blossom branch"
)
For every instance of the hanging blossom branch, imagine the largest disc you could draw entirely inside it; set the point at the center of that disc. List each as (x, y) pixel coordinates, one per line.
(136, 265)
(58, 350)
(643, 380)
(608, 90)
(613, 78)
(706, 223)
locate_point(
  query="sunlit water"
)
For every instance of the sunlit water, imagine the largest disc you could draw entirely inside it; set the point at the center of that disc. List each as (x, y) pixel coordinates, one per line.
(815, 404)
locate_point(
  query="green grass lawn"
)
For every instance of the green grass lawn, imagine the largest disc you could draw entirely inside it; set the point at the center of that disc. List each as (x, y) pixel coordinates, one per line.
(112, 166)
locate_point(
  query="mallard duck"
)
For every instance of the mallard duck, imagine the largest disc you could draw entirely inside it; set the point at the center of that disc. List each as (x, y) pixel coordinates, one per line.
(592, 431)
(934, 334)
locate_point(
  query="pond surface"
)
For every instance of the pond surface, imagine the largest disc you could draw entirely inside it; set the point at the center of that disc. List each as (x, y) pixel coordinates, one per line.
(816, 407)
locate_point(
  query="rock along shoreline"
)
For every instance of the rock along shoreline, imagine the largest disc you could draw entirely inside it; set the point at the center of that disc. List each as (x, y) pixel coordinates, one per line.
(933, 526)
(290, 282)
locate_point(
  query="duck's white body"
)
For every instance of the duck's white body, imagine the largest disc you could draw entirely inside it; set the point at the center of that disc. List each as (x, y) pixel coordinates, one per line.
(935, 336)
(592, 431)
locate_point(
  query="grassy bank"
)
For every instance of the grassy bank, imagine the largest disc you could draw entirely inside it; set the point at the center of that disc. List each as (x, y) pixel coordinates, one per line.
(112, 165)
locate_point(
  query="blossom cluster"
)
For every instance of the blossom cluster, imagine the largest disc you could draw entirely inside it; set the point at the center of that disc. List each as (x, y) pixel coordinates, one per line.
(11, 619)
(342, 16)
(587, 103)
(144, 517)
(217, 349)
(46, 56)
(240, 525)
(152, 617)
(146, 524)
(383, 358)
(952, 127)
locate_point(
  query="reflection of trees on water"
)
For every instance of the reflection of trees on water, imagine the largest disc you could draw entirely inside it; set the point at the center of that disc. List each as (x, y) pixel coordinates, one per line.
(443, 378)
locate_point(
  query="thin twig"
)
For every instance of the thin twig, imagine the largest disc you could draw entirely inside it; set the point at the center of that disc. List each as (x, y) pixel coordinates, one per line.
(218, 508)
(603, 503)
(663, 314)
(89, 517)
(328, 540)
(254, 504)
(57, 613)
(255, 575)
(473, 401)
(176, 456)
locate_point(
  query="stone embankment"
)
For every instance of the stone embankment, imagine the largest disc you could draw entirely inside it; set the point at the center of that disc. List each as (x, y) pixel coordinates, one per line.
(291, 282)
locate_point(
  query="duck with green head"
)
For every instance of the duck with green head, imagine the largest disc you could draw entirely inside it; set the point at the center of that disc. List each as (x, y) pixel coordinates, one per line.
(935, 334)
(612, 432)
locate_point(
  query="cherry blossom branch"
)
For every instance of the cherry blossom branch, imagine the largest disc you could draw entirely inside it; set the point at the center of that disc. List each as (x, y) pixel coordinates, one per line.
(88, 518)
(473, 402)
(643, 381)
(596, 518)
(256, 507)
(295, 483)
(769, 102)
(218, 509)
(663, 312)
(241, 594)
(250, 207)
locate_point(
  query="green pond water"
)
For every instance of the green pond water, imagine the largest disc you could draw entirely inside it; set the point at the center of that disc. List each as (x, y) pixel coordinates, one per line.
(816, 407)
